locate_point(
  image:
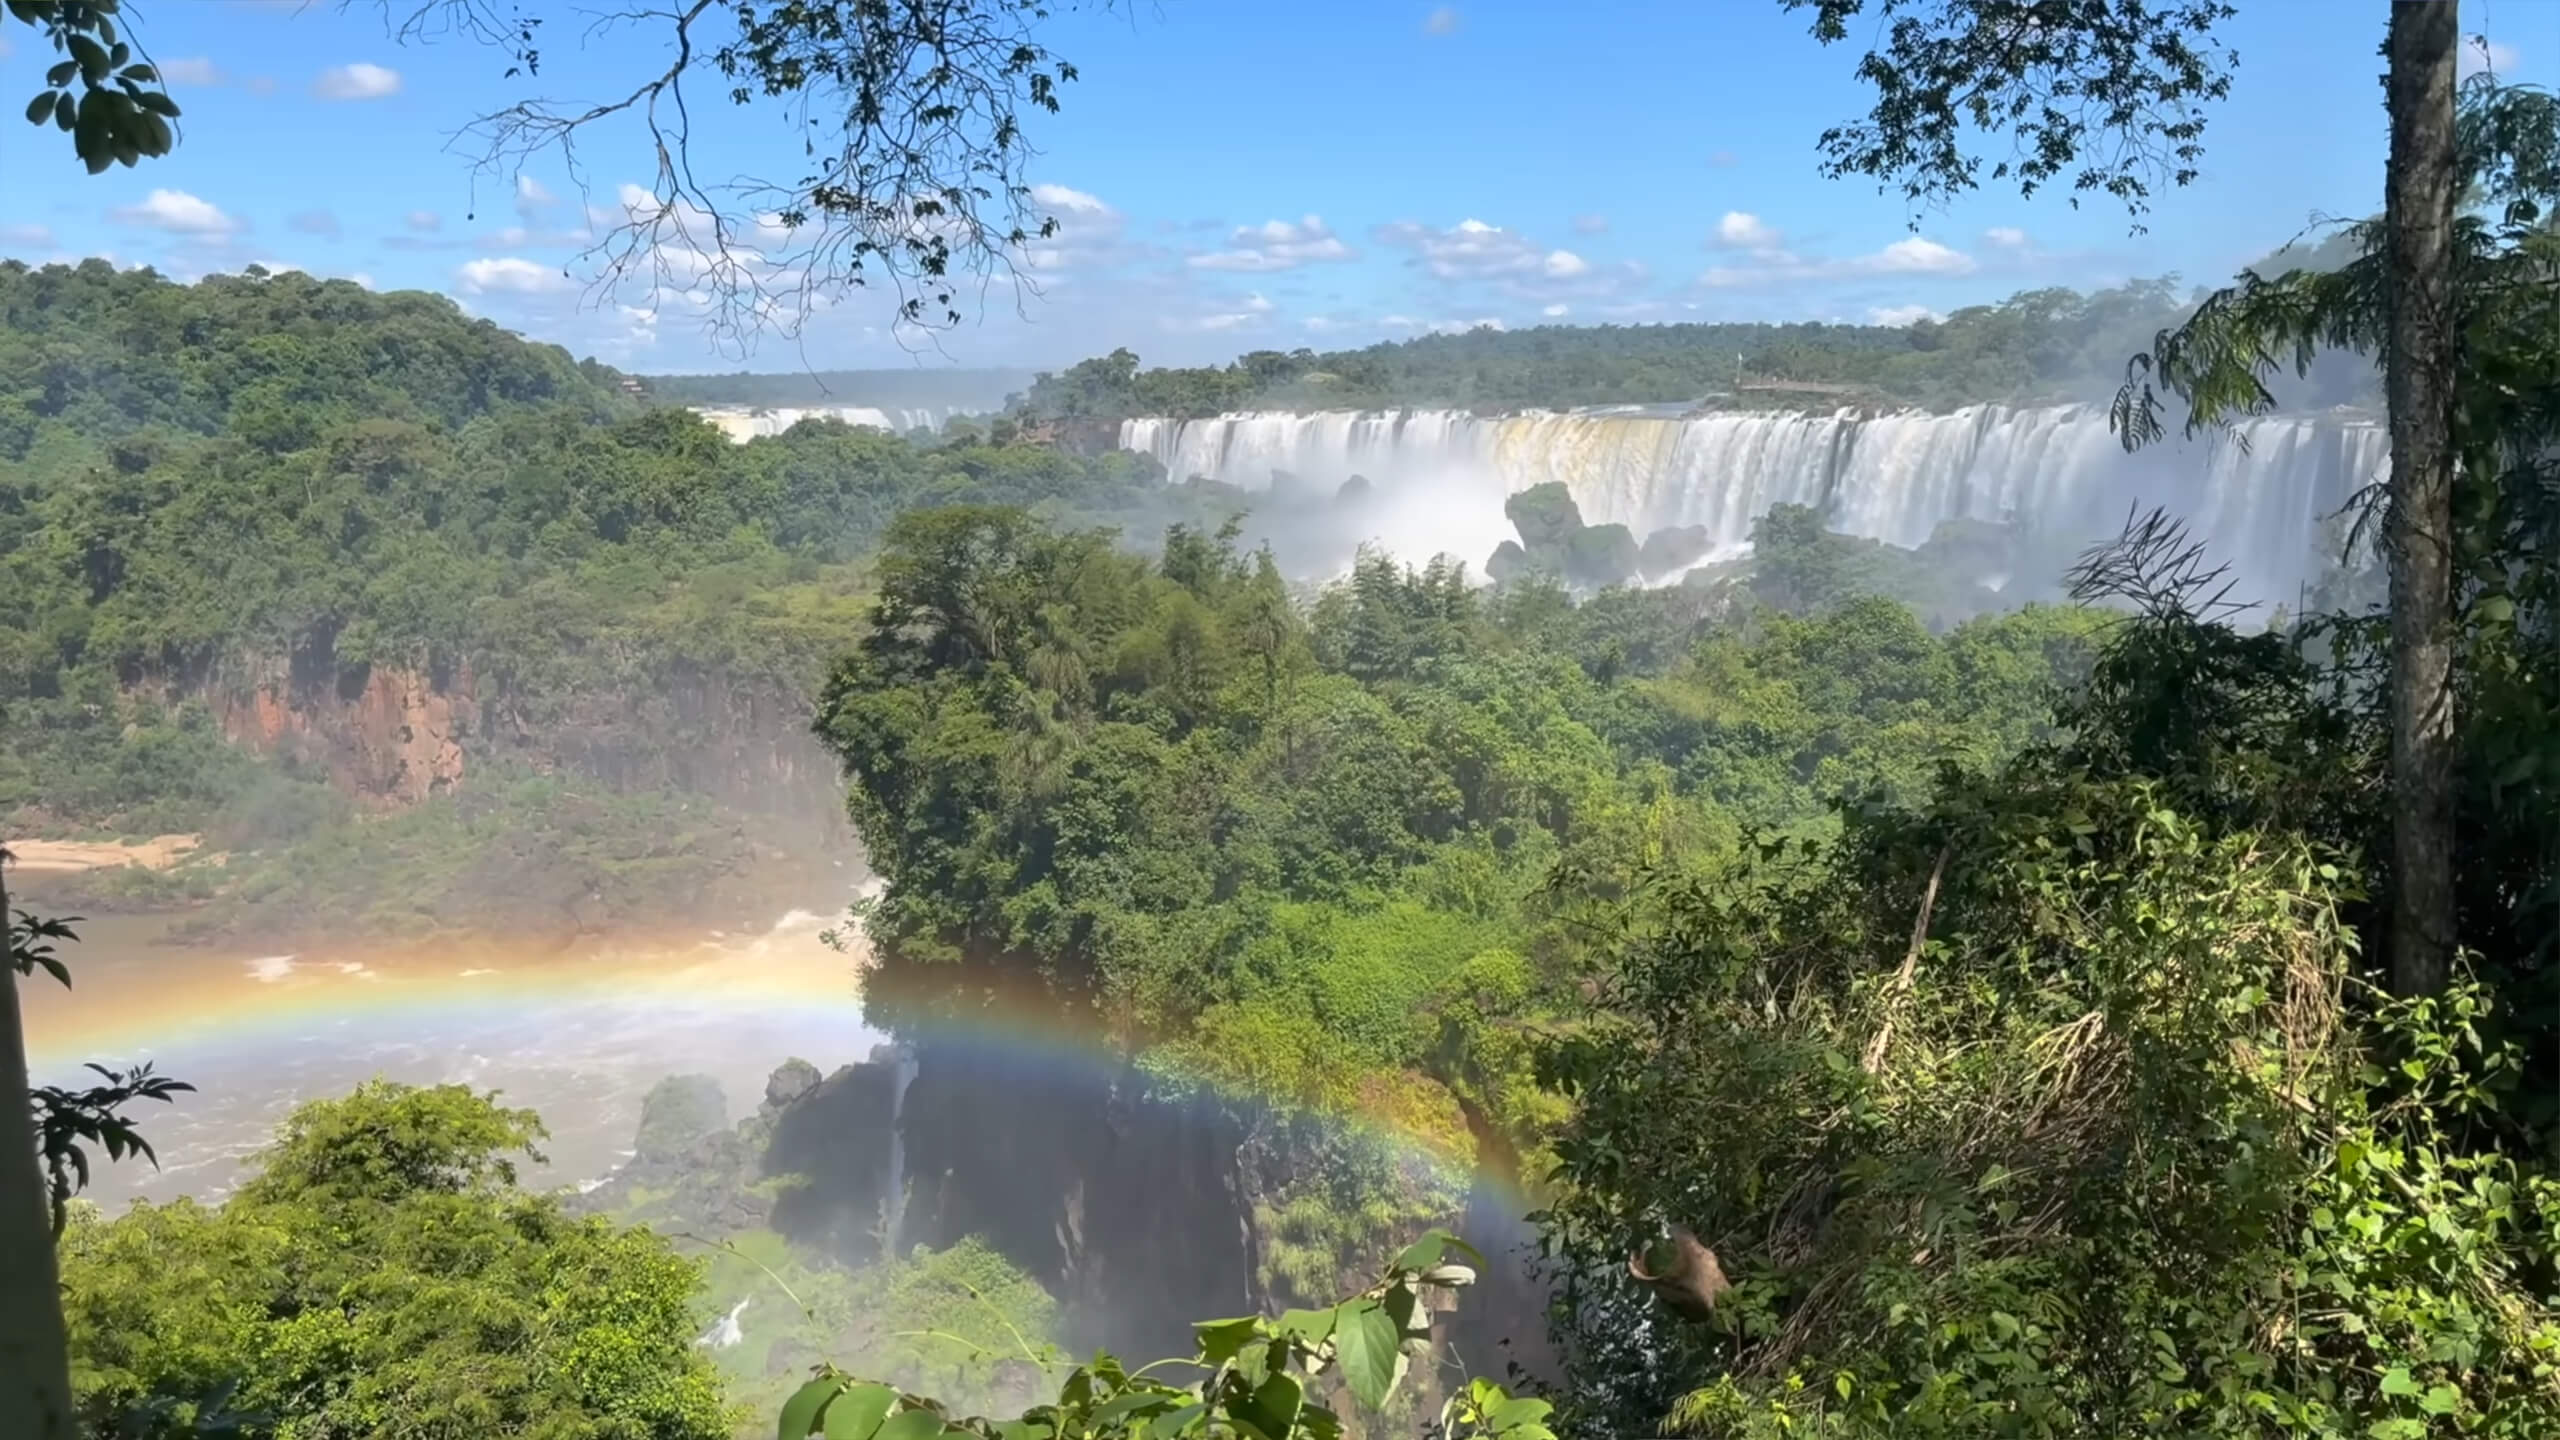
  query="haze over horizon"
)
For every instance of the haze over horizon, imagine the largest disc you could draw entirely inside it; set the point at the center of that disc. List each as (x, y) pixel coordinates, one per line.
(1218, 181)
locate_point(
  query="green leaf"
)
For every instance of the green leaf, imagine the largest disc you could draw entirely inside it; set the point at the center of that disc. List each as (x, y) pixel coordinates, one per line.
(1273, 1407)
(1308, 1325)
(2396, 1381)
(909, 1425)
(1117, 1407)
(856, 1414)
(40, 107)
(800, 1412)
(1522, 1411)
(1364, 1344)
(1253, 1362)
(1424, 1253)
(1399, 1303)
(2440, 1400)
(157, 103)
(1221, 1339)
(91, 57)
(60, 75)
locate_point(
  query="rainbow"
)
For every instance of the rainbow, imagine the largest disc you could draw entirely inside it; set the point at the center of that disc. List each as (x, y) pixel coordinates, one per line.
(673, 1002)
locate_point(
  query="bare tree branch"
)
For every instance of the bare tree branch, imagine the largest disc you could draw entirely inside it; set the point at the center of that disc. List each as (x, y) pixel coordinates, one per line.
(908, 117)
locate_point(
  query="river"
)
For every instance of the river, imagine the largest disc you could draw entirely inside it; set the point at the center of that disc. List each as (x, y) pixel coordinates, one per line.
(578, 1032)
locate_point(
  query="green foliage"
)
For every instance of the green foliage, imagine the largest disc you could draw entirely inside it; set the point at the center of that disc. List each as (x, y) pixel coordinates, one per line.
(2059, 1102)
(381, 1276)
(121, 111)
(960, 1323)
(1256, 1378)
(2137, 74)
(273, 481)
(2225, 363)
(1333, 859)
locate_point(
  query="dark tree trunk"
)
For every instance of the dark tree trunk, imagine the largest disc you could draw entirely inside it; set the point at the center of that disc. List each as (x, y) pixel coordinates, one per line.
(2419, 208)
(35, 1365)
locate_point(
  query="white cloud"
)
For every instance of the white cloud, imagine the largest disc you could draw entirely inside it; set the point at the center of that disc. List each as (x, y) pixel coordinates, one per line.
(1912, 255)
(192, 71)
(1090, 233)
(425, 222)
(30, 237)
(314, 222)
(531, 198)
(2480, 53)
(1899, 316)
(1277, 245)
(509, 275)
(1468, 250)
(1473, 254)
(2005, 237)
(1918, 256)
(1443, 21)
(1071, 201)
(1247, 313)
(1590, 224)
(359, 81)
(1557, 311)
(1742, 230)
(178, 212)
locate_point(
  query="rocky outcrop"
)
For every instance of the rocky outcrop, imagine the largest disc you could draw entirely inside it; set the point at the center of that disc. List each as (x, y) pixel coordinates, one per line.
(392, 737)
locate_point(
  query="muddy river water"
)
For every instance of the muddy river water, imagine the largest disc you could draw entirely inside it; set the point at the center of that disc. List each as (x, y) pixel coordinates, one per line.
(578, 1032)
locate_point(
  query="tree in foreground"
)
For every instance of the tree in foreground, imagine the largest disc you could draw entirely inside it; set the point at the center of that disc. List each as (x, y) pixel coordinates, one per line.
(382, 1275)
(2106, 94)
(2058, 1106)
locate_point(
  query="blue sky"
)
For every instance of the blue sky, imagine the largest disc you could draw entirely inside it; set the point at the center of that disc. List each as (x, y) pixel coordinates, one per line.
(1228, 175)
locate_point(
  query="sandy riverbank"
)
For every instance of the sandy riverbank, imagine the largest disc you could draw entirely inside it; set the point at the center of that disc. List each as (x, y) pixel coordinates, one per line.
(72, 856)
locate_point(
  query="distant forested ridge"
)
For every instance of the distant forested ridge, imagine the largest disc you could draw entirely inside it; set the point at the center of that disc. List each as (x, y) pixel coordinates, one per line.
(2038, 346)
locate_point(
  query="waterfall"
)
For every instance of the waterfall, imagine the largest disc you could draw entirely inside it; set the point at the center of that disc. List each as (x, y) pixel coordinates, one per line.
(742, 423)
(893, 1197)
(2257, 496)
(726, 1332)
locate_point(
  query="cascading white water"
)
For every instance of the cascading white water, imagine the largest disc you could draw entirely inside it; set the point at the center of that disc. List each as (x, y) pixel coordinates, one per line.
(725, 1333)
(743, 423)
(893, 1197)
(2257, 497)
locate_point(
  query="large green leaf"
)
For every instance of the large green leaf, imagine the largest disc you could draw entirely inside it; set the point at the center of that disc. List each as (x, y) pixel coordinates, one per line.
(1433, 1247)
(1308, 1325)
(800, 1412)
(856, 1414)
(1364, 1344)
(1273, 1406)
(1221, 1339)
(909, 1425)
